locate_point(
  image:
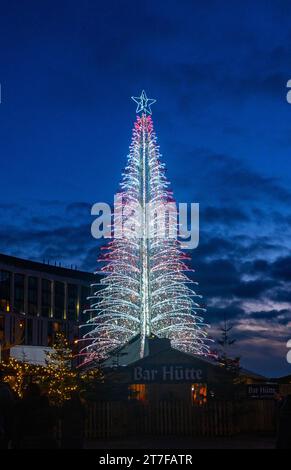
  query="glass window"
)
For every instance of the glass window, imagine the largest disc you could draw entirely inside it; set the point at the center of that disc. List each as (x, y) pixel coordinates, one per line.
(12, 331)
(46, 299)
(53, 328)
(20, 331)
(59, 300)
(5, 281)
(199, 394)
(19, 292)
(32, 295)
(137, 392)
(85, 303)
(72, 302)
(50, 334)
(2, 328)
(39, 332)
(29, 332)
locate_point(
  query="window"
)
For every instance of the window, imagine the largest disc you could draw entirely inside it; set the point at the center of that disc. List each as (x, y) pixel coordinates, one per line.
(59, 300)
(2, 328)
(199, 394)
(137, 392)
(20, 331)
(29, 332)
(85, 303)
(72, 302)
(19, 292)
(53, 328)
(39, 332)
(5, 280)
(32, 296)
(46, 299)
(50, 334)
(12, 331)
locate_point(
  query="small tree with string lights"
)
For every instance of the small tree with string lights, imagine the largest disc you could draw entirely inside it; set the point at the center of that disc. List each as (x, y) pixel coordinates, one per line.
(59, 377)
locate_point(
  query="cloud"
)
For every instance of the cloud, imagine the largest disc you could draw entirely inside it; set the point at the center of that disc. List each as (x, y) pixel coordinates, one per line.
(235, 177)
(216, 315)
(282, 317)
(279, 269)
(252, 289)
(224, 215)
(61, 232)
(217, 278)
(83, 207)
(258, 334)
(213, 246)
(281, 294)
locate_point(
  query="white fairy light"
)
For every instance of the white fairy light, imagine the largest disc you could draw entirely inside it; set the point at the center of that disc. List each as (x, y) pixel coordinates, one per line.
(146, 290)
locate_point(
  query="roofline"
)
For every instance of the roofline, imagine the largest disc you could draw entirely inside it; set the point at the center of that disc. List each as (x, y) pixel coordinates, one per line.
(251, 374)
(46, 268)
(189, 356)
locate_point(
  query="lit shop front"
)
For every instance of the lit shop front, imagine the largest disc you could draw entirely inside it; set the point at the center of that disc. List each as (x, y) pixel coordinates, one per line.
(168, 382)
(167, 374)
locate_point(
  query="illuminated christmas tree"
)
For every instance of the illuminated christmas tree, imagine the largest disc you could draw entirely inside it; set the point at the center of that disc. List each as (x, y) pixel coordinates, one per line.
(58, 377)
(145, 290)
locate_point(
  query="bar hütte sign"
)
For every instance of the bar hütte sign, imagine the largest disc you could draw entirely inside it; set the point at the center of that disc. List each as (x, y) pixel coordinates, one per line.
(167, 374)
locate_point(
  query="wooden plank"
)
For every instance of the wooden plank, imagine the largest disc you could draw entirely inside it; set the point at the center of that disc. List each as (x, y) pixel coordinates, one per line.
(114, 419)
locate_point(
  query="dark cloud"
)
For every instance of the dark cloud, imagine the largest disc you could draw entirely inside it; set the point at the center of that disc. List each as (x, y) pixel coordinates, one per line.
(224, 215)
(279, 269)
(252, 289)
(83, 207)
(260, 245)
(214, 246)
(281, 295)
(281, 316)
(258, 266)
(217, 278)
(224, 181)
(90, 260)
(237, 178)
(217, 315)
(221, 279)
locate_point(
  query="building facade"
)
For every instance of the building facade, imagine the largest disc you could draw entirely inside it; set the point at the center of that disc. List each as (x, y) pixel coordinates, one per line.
(38, 300)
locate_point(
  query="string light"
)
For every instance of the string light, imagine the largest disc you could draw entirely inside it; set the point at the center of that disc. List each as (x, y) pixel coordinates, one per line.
(59, 377)
(145, 290)
(18, 373)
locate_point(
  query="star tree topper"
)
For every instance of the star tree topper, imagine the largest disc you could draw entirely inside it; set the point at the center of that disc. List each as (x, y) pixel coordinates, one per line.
(143, 103)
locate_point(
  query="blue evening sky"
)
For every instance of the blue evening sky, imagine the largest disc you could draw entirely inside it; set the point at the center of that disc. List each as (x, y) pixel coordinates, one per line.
(219, 70)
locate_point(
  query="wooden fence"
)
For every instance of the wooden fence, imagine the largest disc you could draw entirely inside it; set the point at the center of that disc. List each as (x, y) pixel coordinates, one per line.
(117, 419)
